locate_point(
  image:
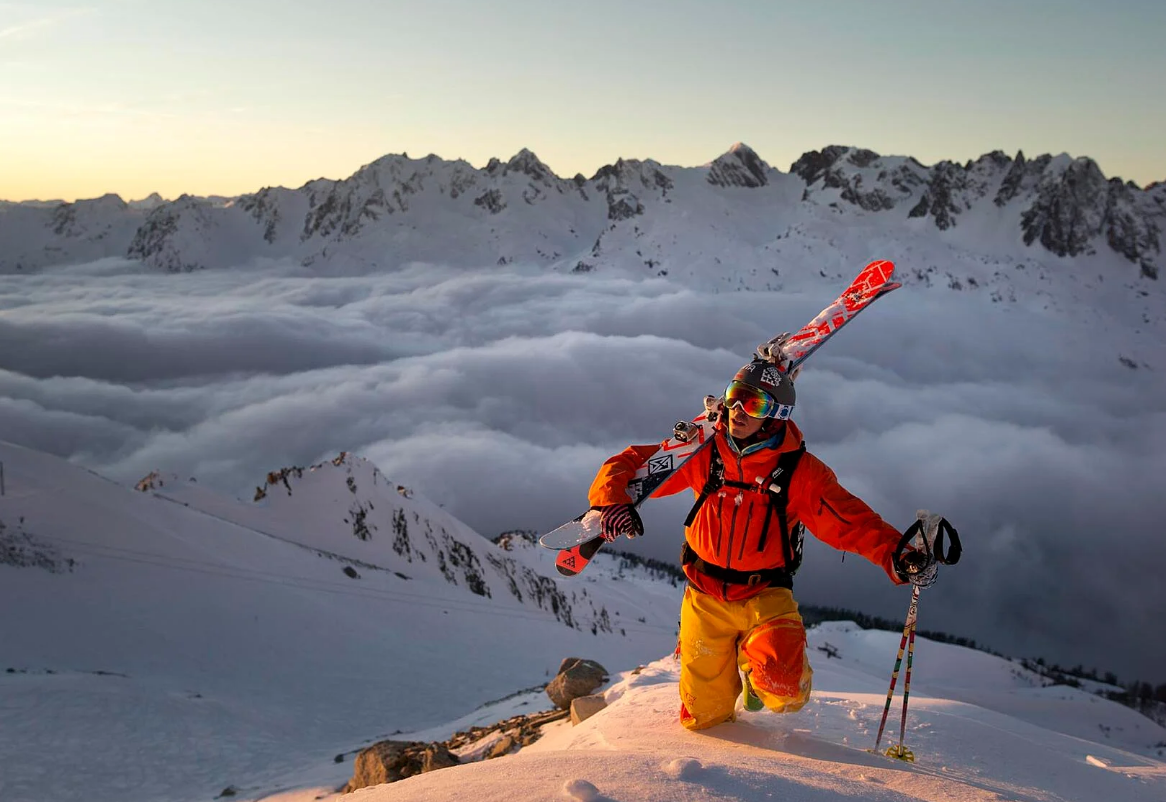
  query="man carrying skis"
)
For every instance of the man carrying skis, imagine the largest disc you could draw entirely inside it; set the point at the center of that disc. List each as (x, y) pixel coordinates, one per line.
(756, 489)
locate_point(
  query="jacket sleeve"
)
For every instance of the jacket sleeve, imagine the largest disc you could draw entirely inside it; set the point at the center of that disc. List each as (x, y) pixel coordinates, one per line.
(841, 519)
(611, 483)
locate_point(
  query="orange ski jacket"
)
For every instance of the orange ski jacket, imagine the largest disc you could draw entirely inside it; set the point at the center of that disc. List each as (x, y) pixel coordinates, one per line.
(727, 528)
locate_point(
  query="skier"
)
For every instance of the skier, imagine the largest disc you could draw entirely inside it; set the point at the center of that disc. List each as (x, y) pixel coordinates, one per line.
(756, 489)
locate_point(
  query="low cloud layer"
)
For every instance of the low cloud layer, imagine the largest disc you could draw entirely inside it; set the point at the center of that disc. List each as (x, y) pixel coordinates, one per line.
(498, 394)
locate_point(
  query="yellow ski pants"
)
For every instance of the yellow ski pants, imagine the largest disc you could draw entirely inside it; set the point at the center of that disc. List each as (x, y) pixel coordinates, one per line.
(762, 636)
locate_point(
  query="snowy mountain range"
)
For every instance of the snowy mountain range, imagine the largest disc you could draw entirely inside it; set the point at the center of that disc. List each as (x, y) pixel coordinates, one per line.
(179, 645)
(633, 215)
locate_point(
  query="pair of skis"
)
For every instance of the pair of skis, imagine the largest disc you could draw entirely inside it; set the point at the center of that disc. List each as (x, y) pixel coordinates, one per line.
(578, 540)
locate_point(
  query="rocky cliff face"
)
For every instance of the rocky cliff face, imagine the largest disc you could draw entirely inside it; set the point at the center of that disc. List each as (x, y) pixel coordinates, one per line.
(1065, 205)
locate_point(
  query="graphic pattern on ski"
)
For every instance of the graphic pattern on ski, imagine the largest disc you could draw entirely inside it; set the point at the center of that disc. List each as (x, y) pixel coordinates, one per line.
(578, 540)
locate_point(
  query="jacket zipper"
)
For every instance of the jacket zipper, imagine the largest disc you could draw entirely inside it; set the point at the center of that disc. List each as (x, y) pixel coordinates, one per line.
(744, 540)
(833, 511)
(733, 523)
(720, 518)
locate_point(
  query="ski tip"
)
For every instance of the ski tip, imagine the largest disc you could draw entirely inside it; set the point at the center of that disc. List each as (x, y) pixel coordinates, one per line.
(885, 268)
(568, 563)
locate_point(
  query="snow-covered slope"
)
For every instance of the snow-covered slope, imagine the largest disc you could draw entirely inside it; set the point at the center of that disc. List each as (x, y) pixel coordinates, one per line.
(176, 643)
(220, 638)
(634, 216)
(980, 727)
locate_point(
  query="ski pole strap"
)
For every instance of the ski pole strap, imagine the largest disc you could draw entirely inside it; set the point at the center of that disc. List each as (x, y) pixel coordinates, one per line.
(952, 555)
(772, 577)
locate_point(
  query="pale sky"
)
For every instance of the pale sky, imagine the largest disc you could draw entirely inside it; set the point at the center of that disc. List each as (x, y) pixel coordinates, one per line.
(218, 97)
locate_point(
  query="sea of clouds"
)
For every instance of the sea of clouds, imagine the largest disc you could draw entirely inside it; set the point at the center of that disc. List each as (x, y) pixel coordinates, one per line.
(498, 393)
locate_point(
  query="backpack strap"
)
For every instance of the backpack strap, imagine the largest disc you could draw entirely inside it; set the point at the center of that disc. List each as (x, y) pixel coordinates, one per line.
(778, 491)
(714, 482)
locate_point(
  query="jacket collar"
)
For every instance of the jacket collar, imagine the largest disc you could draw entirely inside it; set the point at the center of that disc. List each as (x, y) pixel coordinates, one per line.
(787, 439)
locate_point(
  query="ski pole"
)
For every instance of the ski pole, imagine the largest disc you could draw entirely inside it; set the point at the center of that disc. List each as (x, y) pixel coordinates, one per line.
(904, 753)
(908, 630)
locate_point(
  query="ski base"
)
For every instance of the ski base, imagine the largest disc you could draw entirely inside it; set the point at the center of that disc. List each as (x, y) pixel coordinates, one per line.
(572, 561)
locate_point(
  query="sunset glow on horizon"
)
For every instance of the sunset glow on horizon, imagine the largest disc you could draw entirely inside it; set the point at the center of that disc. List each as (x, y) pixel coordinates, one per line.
(223, 98)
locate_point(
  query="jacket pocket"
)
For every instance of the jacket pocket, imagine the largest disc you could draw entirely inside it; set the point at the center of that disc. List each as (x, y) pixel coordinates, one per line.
(824, 504)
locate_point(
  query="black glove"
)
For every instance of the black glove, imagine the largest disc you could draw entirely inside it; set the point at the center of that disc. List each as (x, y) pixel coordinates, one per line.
(916, 567)
(619, 519)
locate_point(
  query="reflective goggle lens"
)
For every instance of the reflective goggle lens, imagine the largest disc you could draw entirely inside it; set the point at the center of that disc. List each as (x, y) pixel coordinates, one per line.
(754, 402)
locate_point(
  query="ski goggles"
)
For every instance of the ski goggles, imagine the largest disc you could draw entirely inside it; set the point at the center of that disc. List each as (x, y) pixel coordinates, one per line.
(755, 402)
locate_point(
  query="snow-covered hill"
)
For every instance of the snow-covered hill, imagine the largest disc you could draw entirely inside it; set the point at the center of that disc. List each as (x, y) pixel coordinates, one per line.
(636, 216)
(176, 643)
(980, 727)
(183, 638)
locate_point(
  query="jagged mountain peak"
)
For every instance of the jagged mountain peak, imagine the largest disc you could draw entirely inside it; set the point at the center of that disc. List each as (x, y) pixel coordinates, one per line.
(739, 166)
(627, 171)
(109, 202)
(152, 201)
(527, 162)
(345, 470)
(995, 160)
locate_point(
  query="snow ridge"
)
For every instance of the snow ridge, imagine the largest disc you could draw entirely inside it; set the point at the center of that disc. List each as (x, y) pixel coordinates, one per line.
(397, 210)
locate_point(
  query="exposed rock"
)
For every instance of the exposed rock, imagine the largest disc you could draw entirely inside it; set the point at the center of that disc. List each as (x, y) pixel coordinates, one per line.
(631, 174)
(624, 181)
(584, 707)
(1076, 205)
(389, 761)
(501, 747)
(577, 677)
(491, 201)
(623, 207)
(947, 179)
(815, 164)
(1022, 177)
(740, 167)
(528, 164)
(264, 207)
(156, 241)
(860, 176)
(437, 756)
(21, 549)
